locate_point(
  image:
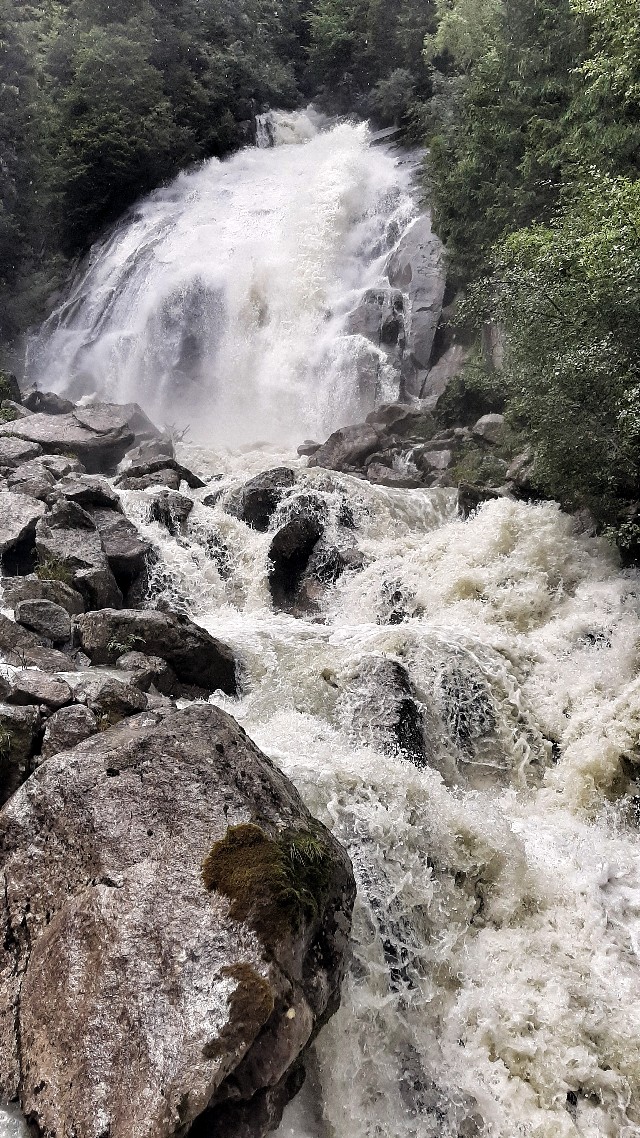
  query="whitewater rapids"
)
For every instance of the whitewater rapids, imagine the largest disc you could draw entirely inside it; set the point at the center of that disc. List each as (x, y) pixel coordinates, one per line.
(493, 987)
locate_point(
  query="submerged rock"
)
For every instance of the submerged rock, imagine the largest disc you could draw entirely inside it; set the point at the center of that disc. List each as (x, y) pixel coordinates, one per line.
(380, 707)
(256, 502)
(178, 927)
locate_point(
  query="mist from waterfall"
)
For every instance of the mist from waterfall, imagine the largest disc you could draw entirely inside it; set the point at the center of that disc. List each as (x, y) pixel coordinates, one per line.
(219, 302)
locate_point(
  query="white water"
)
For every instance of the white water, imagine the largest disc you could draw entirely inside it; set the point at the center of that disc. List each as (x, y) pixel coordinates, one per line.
(493, 986)
(219, 304)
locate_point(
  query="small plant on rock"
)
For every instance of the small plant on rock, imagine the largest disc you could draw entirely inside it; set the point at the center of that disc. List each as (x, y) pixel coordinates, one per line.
(54, 569)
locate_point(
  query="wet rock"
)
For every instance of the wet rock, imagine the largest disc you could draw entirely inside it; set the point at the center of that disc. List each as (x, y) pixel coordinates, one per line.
(347, 448)
(19, 729)
(307, 448)
(31, 588)
(32, 478)
(68, 537)
(109, 699)
(23, 648)
(150, 670)
(19, 516)
(471, 496)
(292, 546)
(89, 490)
(195, 656)
(47, 402)
(429, 460)
(98, 447)
(126, 551)
(165, 476)
(379, 317)
(178, 985)
(37, 687)
(13, 452)
(521, 475)
(137, 471)
(417, 267)
(327, 563)
(384, 476)
(467, 704)
(146, 453)
(380, 707)
(46, 619)
(256, 502)
(490, 428)
(170, 509)
(66, 728)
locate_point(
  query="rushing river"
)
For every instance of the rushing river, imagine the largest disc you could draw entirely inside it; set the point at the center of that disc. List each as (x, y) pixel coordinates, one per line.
(493, 988)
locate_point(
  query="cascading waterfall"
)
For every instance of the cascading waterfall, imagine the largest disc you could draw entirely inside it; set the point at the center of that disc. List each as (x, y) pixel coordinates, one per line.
(220, 303)
(495, 968)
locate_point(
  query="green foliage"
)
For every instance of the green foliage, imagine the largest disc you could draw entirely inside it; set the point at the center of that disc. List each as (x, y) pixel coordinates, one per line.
(476, 391)
(120, 647)
(568, 295)
(8, 414)
(52, 569)
(275, 884)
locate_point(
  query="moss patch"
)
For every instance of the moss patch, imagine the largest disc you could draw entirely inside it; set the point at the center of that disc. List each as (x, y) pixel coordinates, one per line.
(274, 884)
(250, 1006)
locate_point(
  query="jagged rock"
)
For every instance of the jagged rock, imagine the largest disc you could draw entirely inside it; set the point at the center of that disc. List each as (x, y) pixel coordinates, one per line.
(430, 460)
(19, 515)
(418, 267)
(166, 476)
(68, 536)
(140, 471)
(256, 502)
(22, 648)
(46, 619)
(89, 490)
(144, 932)
(98, 437)
(304, 521)
(170, 509)
(150, 670)
(195, 656)
(29, 472)
(39, 688)
(379, 317)
(347, 448)
(31, 588)
(380, 707)
(490, 428)
(66, 728)
(147, 452)
(13, 452)
(126, 551)
(19, 728)
(60, 465)
(48, 402)
(109, 699)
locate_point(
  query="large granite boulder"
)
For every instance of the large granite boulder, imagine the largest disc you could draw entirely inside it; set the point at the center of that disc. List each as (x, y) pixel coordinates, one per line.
(256, 502)
(22, 648)
(19, 515)
(98, 436)
(173, 928)
(348, 447)
(196, 657)
(379, 706)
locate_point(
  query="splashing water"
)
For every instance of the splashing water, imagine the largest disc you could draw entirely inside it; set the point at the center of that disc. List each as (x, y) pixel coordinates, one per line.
(220, 302)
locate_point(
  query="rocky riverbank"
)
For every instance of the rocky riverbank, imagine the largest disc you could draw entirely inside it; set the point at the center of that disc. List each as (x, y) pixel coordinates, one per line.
(174, 921)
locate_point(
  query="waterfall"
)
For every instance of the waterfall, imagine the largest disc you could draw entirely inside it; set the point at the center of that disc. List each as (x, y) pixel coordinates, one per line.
(219, 302)
(492, 989)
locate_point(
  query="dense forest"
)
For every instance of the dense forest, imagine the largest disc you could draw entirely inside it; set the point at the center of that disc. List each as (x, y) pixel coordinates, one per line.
(530, 111)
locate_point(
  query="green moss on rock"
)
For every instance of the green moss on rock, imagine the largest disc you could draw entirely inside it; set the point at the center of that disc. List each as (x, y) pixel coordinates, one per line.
(274, 884)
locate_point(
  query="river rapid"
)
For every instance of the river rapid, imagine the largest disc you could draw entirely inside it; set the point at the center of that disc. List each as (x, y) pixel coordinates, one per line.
(495, 964)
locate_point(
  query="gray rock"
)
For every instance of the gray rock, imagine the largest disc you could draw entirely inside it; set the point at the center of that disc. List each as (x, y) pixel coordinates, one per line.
(19, 727)
(165, 476)
(98, 440)
(379, 706)
(471, 496)
(379, 317)
(147, 452)
(31, 588)
(170, 509)
(61, 465)
(327, 563)
(89, 490)
(182, 992)
(307, 448)
(19, 515)
(256, 502)
(490, 428)
(348, 447)
(430, 460)
(68, 535)
(146, 671)
(109, 699)
(66, 728)
(46, 619)
(47, 402)
(196, 657)
(14, 451)
(126, 551)
(140, 470)
(384, 476)
(22, 648)
(418, 267)
(304, 521)
(39, 688)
